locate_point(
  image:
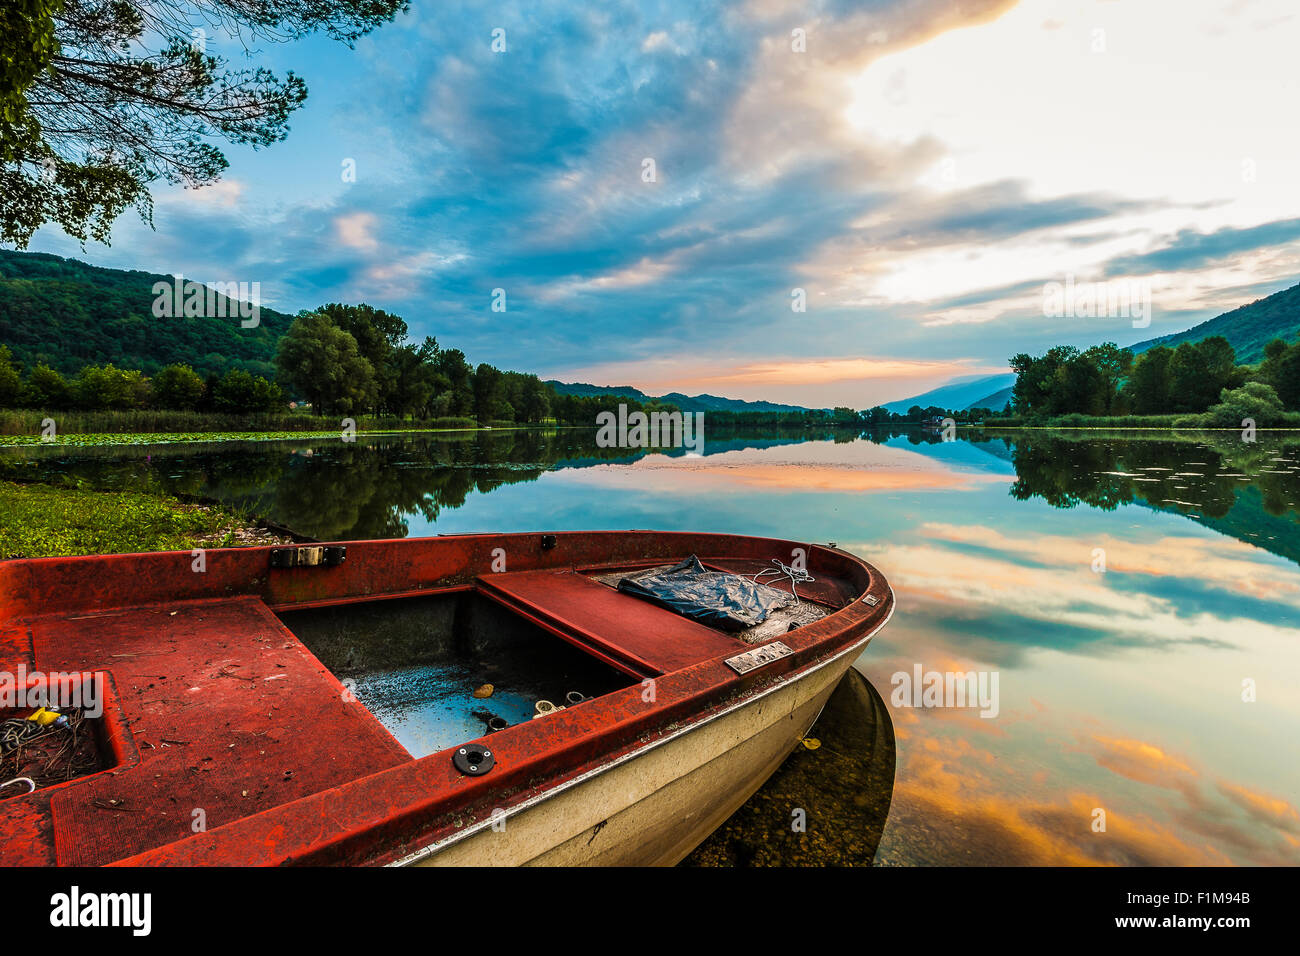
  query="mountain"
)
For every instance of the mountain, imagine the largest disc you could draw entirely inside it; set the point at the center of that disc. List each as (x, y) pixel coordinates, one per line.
(716, 403)
(687, 403)
(69, 314)
(995, 402)
(969, 391)
(1249, 328)
(583, 390)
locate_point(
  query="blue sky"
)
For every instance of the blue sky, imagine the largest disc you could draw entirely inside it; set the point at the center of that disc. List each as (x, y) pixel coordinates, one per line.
(919, 169)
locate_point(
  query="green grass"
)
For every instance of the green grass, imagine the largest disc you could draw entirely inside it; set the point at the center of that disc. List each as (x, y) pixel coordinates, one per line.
(1179, 421)
(30, 422)
(165, 438)
(38, 521)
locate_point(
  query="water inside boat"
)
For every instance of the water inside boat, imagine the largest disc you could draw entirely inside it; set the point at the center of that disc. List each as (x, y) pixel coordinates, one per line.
(416, 664)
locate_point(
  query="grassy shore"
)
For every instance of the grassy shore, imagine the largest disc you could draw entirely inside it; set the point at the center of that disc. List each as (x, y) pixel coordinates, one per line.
(167, 438)
(1182, 421)
(38, 521)
(31, 422)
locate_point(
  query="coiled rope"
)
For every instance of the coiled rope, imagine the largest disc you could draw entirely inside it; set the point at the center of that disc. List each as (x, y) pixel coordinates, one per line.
(795, 575)
(15, 732)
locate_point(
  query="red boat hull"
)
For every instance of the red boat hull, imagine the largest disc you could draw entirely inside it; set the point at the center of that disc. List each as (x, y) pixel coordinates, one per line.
(228, 742)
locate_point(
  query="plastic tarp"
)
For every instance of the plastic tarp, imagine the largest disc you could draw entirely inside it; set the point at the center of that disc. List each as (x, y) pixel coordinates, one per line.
(732, 602)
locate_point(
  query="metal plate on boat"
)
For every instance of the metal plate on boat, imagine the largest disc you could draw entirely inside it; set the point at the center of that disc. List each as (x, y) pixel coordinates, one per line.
(308, 557)
(748, 661)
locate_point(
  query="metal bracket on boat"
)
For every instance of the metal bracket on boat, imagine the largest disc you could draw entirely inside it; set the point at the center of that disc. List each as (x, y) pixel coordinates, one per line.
(871, 599)
(308, 557)
(473, 760)
(759, 656)
(548, 542)
(544, 708)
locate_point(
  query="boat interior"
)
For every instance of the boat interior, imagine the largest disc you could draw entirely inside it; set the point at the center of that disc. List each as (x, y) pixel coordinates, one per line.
(437, 671)
(228, 694)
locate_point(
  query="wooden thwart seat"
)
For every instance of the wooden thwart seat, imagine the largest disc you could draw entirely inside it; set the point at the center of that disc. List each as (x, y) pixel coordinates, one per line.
(633, 635)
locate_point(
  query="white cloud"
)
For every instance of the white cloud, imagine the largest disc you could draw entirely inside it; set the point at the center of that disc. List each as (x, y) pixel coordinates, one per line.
(354, 230)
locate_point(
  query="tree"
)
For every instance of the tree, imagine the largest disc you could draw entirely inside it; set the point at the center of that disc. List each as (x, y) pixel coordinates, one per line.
(1192, 387)
(457, 378)
(487, 393)
(379, 336)
(27, 34)
(239, 392)
(1041, 382)
(1147, 387)
(11, 381)
(1288, 378)
(106, 386)
(1220, 358)
(534, 403)
(100, 99)
(1079, 388)
(414, 380)
(323, 363)
(1254, 400)
(178, 386)
(1112, 364)
(47, 388)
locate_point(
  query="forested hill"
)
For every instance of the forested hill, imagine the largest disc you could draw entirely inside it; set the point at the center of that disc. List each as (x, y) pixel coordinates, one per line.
(687, 403)
(68, 314)
(1248, 328)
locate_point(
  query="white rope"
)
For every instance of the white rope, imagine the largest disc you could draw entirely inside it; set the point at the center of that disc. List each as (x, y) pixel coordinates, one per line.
(796, 576)
(31, 784)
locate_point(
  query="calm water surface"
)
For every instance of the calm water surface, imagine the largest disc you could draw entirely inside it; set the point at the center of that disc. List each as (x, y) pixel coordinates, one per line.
(1119, 690)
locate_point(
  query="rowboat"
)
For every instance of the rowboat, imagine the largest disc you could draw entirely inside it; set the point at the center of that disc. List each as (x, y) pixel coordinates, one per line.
(458, 700)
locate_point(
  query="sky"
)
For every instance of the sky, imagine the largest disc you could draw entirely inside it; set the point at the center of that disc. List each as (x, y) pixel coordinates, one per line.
(657, 186)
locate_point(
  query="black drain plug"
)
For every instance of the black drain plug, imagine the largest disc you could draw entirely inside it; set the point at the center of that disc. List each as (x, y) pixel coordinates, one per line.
(473, 760)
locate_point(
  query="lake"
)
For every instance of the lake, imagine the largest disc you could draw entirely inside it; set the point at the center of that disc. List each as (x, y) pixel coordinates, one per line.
(1132, 598)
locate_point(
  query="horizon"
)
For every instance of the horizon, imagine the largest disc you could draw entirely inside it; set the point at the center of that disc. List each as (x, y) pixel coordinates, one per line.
(921, 218)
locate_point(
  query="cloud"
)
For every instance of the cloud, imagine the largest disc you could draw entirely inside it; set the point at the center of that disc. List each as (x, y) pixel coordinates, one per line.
(899, 169)
(225, 193)
(856, 382)
(851, 468)
(1238, 570)
(970, 791)
(1002, 592)
(1190, 249)
(356, 231)
(1142, 762)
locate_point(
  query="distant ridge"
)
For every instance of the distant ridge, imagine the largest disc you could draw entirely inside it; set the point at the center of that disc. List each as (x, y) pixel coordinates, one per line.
(1248, 328)
(960, 393)
(687, 403)
(995, 402)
